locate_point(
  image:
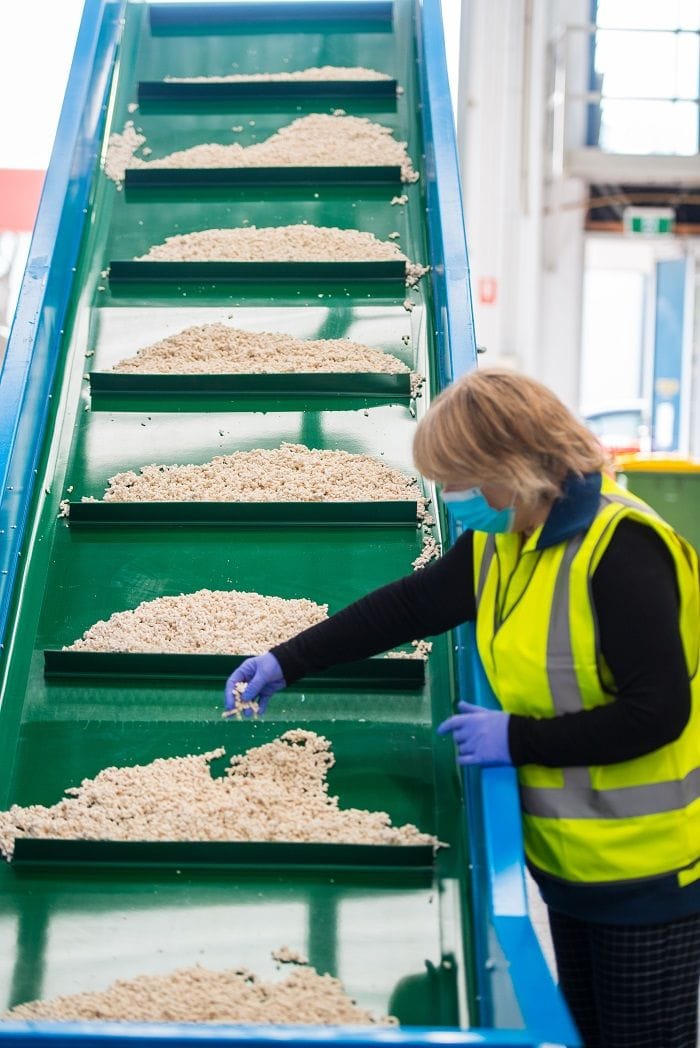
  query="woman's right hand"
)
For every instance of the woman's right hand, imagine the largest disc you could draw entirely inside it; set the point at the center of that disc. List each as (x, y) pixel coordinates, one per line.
(263, 675)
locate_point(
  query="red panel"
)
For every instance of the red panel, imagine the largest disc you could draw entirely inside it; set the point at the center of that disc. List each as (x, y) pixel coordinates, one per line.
(19, 199)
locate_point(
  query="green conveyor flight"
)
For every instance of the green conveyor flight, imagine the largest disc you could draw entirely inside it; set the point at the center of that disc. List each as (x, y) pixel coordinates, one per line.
(442, 942)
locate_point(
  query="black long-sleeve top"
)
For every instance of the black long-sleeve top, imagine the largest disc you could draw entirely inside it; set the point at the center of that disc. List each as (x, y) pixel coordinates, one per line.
(635, 600)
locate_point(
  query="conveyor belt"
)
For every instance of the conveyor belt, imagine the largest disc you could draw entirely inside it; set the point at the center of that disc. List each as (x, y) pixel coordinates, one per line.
(405, 935)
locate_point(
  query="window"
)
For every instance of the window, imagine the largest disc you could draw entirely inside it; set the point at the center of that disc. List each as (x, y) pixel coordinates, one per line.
(645, 77)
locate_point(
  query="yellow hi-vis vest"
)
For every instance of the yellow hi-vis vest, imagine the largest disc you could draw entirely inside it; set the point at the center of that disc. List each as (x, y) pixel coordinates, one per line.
(537, 637)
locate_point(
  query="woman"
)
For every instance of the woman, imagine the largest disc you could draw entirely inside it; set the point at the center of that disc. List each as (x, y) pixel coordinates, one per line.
(588, 625)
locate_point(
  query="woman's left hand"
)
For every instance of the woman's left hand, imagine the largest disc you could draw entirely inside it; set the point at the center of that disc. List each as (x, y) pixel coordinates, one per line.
(481, 735)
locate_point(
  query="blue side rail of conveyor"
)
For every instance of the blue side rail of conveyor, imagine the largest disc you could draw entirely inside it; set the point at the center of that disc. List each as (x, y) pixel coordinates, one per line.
(29, 365)
(509, 957)
(519, 1002)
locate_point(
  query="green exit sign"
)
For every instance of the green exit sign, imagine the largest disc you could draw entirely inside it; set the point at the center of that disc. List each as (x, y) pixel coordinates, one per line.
(649, 221)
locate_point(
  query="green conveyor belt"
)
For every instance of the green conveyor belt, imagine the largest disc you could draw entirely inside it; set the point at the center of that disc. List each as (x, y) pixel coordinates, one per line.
(398, 938)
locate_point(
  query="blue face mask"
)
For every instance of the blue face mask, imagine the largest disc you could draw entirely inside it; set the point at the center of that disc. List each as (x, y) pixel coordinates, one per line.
(469, 510)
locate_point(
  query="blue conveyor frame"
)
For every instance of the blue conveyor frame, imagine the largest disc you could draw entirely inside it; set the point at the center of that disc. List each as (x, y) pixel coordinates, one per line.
(510, 967)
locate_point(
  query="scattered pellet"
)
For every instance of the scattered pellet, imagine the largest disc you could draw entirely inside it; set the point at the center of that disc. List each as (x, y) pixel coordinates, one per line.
(227, 622)
(286, 955)
(403, 199)
(120, 152)
(421, 650)
(219, 349)
(417, 382)
(274, 792)
(201, 995)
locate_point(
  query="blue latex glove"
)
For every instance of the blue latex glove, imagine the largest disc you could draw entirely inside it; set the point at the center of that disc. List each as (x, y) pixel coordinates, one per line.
(264, 677)
(481, 736)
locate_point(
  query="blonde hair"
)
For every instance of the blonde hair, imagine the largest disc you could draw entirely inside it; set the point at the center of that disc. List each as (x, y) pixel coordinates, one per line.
(503, 427)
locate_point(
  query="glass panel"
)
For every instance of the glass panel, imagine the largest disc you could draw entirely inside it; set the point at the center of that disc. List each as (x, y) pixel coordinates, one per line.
(643, 127)
(649, 14)
(647, 65)
(612, 339)
(634, 65)
(617, 424)
(688, 14)
(688, 67)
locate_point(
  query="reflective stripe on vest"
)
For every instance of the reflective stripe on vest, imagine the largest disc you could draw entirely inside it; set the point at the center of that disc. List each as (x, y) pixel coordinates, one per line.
(624, 803)
(566, 693)
(489, 552)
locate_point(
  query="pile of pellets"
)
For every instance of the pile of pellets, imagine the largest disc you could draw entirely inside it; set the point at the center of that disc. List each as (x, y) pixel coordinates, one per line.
(317, 140)
(297, 243)
(312, 73)
(224, 622)
(290, 473)
(274, 792)
(201, 995)
(215, 349)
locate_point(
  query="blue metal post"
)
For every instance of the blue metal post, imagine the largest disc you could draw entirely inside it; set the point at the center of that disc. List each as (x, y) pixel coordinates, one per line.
(669, 338)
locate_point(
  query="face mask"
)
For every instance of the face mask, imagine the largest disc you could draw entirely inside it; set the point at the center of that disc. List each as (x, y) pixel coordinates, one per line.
(469, 510)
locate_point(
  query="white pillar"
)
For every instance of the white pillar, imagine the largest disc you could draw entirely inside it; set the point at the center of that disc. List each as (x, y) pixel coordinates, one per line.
(523, 230)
